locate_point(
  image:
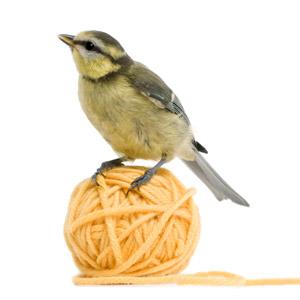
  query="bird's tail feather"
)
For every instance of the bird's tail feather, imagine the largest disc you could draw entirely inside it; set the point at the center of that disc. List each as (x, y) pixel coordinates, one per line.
(213, 180)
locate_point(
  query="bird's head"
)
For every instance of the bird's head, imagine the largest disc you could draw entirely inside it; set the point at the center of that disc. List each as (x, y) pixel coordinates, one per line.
(96, 54)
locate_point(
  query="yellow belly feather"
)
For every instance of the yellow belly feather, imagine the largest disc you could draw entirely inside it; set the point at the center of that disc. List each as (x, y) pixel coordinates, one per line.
(133, 125)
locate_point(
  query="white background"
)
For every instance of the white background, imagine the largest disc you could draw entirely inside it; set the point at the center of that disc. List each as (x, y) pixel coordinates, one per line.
(235, 65)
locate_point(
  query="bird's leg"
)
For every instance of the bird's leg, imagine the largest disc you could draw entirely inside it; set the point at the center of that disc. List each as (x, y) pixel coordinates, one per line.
(147, 175)
(107, 165)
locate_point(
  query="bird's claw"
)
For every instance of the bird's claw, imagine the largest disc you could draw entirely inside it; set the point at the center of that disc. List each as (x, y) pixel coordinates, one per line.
(141, 180)
(94, 177)
(105, 166)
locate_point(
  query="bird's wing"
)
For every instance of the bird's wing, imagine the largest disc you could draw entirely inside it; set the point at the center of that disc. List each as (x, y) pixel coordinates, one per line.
(152, 86)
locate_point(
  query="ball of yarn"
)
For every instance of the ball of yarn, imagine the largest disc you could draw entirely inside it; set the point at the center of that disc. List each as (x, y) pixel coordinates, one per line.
(152, 231)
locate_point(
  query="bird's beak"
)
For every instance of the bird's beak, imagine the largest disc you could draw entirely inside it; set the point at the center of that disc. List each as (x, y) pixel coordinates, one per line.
(67, 39)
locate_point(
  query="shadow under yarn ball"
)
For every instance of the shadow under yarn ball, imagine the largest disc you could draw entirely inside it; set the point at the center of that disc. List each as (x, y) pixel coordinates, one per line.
(151, 232)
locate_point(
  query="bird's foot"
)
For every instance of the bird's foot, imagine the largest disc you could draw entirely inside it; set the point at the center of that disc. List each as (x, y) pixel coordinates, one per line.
(141, 180)
(105, 166)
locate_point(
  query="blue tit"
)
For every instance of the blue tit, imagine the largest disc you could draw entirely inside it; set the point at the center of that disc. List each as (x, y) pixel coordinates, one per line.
(136, 112)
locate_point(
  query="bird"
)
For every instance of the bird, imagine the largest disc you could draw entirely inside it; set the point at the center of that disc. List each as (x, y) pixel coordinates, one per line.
(136, 112)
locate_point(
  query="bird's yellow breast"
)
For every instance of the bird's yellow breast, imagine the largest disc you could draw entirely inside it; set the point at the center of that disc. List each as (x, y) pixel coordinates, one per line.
(129, 121)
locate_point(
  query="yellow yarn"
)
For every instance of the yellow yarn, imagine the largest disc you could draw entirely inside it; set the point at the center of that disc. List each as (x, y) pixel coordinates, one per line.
(144, 238)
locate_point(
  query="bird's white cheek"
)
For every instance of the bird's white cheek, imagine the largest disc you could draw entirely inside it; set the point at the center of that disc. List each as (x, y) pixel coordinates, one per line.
(86, 54)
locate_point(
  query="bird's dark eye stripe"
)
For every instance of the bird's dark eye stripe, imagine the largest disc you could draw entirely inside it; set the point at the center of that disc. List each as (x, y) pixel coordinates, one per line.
(83, 43)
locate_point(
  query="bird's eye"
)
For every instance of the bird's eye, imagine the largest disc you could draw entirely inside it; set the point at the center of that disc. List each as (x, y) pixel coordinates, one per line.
(89, 46)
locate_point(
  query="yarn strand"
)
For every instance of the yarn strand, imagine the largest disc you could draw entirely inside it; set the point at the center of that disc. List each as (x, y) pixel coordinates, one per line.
(147, 237)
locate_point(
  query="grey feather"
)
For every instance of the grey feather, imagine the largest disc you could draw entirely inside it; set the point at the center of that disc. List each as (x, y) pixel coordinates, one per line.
(152, 86)
(213, 180)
